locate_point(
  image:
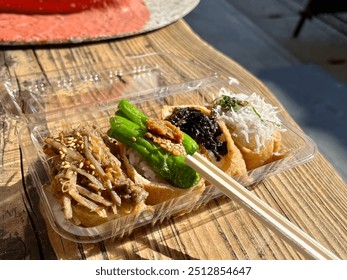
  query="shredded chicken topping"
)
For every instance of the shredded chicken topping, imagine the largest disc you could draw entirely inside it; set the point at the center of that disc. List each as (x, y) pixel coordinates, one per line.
(166, 135)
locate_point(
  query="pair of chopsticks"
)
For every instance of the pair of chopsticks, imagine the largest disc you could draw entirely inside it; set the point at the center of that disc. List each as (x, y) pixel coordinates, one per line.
(297, 238)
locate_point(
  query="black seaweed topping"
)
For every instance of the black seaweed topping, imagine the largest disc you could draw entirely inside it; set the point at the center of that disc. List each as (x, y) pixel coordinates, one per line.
(202, 128)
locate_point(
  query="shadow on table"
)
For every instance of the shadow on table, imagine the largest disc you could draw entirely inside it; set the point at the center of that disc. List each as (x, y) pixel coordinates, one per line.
(318, 103)
(33, 243)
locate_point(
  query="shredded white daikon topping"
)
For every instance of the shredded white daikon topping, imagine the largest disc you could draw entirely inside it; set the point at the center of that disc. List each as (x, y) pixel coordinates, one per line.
(254, 123)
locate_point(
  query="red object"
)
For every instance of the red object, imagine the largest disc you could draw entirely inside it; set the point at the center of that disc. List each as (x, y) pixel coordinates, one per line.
(50, 6)
(119, 18)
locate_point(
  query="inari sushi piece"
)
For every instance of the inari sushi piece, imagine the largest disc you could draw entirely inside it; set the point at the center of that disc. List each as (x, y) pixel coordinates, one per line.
(254, 126)
(153, 152)
(211, 134)
(269, 152)
(88, 179)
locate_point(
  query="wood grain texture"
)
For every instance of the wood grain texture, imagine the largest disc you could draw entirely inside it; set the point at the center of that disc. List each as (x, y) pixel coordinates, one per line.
(312, 195)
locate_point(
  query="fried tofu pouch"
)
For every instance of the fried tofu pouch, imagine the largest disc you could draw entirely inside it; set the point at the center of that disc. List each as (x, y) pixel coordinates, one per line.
(91, 219)
(153, 152)
(232, 163)
(253, 125)
(270, 152)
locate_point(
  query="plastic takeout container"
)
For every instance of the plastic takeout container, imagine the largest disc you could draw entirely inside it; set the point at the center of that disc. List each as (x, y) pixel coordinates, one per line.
(48, 103)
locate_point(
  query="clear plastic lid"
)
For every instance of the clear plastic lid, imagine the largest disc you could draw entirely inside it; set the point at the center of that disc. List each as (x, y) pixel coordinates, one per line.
(38, 96)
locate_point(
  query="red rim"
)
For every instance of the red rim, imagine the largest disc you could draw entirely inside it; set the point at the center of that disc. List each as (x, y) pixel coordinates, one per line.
(51, 6)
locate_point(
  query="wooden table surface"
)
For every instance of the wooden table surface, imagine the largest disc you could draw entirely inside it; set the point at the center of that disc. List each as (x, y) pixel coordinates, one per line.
(312, 195)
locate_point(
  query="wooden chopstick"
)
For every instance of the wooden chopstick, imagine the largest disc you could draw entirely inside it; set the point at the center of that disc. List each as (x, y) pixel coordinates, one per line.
(297, 238)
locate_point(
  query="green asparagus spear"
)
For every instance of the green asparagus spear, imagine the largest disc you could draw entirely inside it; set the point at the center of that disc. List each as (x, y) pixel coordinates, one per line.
(131, 112)
(170, 167)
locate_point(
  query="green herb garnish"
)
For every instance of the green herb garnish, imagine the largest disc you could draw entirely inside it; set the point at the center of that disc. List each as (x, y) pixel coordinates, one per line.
(259, 116)
(257, 113)
(228, 103)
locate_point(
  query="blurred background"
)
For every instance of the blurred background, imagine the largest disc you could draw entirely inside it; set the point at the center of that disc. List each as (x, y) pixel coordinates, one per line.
(301, 59)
